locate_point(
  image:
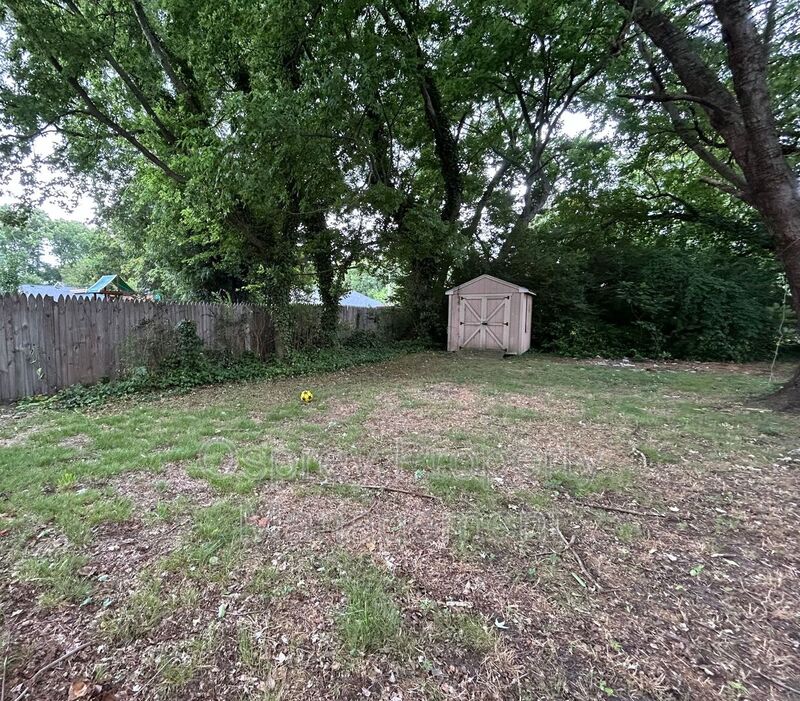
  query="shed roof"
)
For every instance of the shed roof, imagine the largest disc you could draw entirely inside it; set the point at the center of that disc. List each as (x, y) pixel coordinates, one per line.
(106, 280)
(511, 285)
(356, 299)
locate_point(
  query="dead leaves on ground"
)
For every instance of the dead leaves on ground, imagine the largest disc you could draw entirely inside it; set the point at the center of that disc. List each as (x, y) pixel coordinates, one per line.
(86, 690)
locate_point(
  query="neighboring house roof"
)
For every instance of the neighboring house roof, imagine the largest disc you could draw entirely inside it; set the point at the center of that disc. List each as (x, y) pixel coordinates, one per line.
(56, 291)
(349, 299)
(356, 299)
(511, 285)
(108, 281)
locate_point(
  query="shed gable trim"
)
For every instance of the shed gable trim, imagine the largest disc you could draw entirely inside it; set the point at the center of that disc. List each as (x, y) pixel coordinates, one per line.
(486, 276)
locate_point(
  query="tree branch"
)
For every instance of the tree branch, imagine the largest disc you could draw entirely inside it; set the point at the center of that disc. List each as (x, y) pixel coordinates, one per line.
(651, 97)
(117, 129)
(164, 58)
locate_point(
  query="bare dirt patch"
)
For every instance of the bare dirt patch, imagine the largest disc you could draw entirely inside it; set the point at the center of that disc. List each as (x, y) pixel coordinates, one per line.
(147, 489)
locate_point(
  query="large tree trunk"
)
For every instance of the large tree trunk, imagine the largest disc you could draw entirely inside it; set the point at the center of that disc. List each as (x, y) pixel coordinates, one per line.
(745, 120)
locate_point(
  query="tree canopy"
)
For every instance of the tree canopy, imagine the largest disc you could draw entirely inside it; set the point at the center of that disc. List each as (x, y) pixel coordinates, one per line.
(253, 148)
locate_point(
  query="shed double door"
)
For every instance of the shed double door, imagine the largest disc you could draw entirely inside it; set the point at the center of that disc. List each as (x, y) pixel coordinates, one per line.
(484, 322)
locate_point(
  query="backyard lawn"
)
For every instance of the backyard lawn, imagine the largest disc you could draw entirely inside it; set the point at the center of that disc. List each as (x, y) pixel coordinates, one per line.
(433, 527)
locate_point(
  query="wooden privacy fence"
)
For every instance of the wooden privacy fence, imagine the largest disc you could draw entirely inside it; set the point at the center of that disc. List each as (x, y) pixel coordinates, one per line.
(49, 344)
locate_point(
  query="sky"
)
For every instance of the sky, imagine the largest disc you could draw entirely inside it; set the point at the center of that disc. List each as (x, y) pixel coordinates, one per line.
(77, 206)
(72, 205)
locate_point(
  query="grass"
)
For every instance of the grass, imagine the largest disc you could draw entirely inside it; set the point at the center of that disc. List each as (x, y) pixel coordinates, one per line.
(57, 578)
(515, 414)
(440, 462)
(269, 583)
(628, 532)
(370, 620)
(216, 495)
(186, 658)
(463, 630)
(456, 487)
(658, 456)
(141, 612)
(217, 538)
(491, 534)
(579, 484)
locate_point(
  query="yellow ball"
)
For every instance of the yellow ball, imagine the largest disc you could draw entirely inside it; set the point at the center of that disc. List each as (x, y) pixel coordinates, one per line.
(306, 396)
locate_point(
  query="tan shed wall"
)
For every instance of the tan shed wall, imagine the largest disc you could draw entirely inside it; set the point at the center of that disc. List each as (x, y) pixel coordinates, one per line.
(513, 324)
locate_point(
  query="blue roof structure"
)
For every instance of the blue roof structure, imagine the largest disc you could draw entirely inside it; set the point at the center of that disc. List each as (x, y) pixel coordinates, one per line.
(356, 299)
(56, 291)
(349, 299)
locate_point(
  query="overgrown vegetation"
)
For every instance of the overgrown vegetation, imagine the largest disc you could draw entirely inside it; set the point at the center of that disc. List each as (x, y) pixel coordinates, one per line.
(189, 364)
(258, 155)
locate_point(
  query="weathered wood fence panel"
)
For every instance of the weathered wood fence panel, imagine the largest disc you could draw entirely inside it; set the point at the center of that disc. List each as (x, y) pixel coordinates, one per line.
(49, 344)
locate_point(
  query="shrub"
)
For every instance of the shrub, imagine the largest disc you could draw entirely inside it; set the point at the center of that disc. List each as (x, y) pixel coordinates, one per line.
(622, 298)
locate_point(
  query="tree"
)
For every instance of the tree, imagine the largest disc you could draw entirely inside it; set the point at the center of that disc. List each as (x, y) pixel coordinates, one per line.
(37, 249)
(728, 118)
(523, 66)
(183, 110)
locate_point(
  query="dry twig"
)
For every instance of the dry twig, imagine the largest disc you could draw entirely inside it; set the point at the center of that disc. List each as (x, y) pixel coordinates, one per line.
(380, 487)
(355, 519)
(3, 683)
(48, 667)
(578, 559)
(557, 552)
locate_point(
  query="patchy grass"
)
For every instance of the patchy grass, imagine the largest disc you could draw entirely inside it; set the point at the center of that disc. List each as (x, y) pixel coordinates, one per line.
(456, 487)
(441, 462)
(514, 414)
(370, 619)
(145, 608)
(462, 630)
(218, 536)
(56, 577)
(186, 659)
(234, 542)
(628, 532)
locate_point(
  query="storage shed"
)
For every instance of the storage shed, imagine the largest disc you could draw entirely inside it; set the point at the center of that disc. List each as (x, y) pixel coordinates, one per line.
(489, 314)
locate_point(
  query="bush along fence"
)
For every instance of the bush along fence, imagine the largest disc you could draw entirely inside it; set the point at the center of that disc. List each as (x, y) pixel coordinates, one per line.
(49, 344)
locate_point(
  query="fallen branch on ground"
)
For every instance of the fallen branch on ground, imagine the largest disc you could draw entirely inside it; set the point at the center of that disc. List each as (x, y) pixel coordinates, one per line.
(556, 552)
(356, 519)
(48, 667)
(619, 509)
(379, 487)
(638, 453)
(3, 685)
(578, 559)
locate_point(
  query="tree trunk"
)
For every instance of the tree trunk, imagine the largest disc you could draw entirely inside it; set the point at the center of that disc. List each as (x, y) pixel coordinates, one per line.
(779, 206)
(330, 287)
(745, 119)
(787, 398)
(426, 298)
